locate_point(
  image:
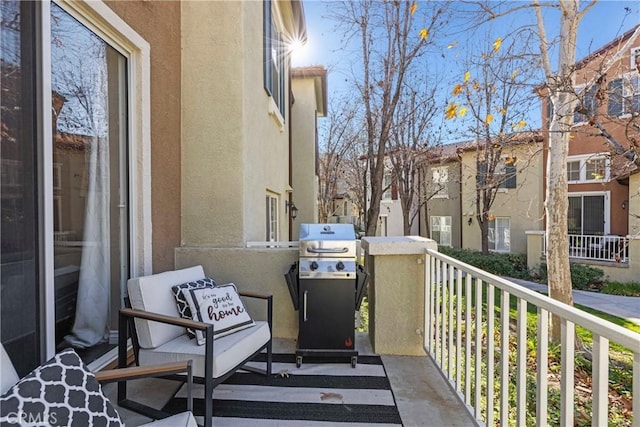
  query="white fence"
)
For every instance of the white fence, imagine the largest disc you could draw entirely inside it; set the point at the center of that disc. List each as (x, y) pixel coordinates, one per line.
(476, 330)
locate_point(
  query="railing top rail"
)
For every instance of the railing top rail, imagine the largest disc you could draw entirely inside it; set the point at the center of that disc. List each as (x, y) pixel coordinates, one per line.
(597, 325)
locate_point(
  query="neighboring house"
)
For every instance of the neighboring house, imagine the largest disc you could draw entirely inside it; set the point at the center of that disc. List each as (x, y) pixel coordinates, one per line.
(453, 178)
(309, 88)
(600, 185)
(170, 143)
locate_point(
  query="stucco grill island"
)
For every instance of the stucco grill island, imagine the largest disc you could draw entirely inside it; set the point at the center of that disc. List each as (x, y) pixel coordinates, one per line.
(326, 286)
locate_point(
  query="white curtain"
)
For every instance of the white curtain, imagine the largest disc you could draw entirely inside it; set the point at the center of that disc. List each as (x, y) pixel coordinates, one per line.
(91, 325)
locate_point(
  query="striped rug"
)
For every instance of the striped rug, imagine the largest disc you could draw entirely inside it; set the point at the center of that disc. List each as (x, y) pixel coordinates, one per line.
(326, 392)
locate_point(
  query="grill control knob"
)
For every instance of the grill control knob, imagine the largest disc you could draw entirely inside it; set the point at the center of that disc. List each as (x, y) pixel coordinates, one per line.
(313, 266)
(339, 266)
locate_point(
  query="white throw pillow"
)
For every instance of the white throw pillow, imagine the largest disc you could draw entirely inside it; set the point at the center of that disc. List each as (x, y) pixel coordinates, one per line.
(221, 306)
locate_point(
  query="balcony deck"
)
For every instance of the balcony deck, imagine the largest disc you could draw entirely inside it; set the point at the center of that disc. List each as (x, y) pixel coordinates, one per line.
(422, 395)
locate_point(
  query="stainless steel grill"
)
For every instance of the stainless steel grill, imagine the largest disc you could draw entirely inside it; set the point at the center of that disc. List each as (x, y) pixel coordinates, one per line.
(326, 286)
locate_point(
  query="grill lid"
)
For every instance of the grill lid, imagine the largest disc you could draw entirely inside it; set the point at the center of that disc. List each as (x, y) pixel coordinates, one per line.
(327, 240)
(327, 232)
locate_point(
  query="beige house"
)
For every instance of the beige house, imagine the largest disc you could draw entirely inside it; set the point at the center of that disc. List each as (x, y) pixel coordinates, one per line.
(188, 146)
(451, 183)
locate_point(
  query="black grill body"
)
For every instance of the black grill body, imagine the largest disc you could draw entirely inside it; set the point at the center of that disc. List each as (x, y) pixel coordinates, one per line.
(326, 286)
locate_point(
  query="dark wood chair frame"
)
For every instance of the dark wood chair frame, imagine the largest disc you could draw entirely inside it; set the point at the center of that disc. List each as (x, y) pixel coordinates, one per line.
(126, 327)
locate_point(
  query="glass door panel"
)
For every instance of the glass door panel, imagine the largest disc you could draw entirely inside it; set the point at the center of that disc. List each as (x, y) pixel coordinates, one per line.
(88, 79)
(20, 330)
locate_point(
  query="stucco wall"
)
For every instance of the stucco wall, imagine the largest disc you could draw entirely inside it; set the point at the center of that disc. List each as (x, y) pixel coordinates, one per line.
(159, 24)
(235, 144)
(523, 205)
(446, 206)
(256, 270)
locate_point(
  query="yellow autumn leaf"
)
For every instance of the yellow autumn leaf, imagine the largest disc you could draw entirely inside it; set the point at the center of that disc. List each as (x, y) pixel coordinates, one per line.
(514, 74)
(457, 89)
(450, 113)
(462, 112)
(424, 33)
(522, 124)
(503, 111)
(489, 119)
(476, 85)
(414, 6)
(451, 45)
(497, 44)
(467, 76)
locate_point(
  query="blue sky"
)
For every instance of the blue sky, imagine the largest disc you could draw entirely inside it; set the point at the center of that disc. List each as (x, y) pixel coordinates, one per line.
(602, 24)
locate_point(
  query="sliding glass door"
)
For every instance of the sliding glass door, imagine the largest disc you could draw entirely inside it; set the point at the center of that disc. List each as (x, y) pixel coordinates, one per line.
(20, 290)
(65, 198)
(88, 82)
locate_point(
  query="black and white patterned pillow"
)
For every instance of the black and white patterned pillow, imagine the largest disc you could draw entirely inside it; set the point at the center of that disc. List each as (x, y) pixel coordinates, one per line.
(183, 308)
(61, 392)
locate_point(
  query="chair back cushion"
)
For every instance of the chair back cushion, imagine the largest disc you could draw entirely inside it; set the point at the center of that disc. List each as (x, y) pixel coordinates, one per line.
(153, 293)
(8, 374)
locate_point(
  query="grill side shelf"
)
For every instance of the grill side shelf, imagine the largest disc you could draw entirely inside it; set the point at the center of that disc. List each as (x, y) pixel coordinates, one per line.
(291, 278)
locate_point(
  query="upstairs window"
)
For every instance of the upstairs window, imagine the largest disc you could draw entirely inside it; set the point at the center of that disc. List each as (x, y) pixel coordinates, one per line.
(582, 169)
(440, 179)
(504, 175)
(624, 95)
(587, 105)
(273, 64)
(386, 186)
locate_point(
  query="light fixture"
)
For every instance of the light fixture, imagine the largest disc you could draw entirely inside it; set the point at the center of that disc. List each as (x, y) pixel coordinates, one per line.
(470, 221)
(623, 205)
(291, 207)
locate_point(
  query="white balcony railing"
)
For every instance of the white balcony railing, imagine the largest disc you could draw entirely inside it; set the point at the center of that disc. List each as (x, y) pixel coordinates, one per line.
(477, 332)
(599, 248)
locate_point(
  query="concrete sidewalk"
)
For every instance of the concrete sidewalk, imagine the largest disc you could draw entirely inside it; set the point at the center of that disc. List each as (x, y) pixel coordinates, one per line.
(624, 307)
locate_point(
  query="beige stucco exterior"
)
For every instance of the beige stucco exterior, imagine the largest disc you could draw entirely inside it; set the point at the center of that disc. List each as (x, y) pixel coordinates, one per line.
(234, 142)
(309, 86)
(523, 205)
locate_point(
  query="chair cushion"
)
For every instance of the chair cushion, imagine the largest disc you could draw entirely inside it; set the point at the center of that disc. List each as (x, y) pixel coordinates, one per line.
(63, 392)
(183, 419)
(8, 374)
(181, 302)
(228, 351)
(153, 293)
(221, 306)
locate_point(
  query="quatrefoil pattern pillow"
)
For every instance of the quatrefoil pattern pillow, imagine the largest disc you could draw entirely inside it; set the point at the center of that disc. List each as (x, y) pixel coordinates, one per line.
(183, 307)
(61, 392)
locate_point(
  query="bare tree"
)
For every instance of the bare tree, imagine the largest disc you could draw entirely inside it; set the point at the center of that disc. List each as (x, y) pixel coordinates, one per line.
(497, 101)
(411, 141)
(336, 140)
(390, 41)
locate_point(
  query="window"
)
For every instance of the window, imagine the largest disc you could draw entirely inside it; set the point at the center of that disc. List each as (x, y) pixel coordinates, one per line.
(440, 179)
(386, 186)
(587, 105)
(274, 70)
(500, 234)
(504, 175)
(441, 230)
(593, 168)
(635, 59)
(624, 95)
(272, 219)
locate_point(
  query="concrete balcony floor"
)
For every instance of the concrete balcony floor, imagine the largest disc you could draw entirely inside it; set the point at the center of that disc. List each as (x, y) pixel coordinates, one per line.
(422, 395)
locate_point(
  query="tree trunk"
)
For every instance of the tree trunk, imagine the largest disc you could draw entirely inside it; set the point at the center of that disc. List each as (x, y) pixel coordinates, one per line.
(557, 203)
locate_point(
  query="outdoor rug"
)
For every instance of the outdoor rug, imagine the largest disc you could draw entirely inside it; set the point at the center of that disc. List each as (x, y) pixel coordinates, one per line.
(322, 392)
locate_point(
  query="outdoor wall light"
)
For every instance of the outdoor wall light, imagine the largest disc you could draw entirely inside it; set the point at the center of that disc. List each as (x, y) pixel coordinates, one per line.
(623, 205)
(291, 207)
(470, 221)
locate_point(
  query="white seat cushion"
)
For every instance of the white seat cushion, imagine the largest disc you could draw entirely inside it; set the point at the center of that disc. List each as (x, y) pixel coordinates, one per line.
(8, 375)
(153, 294)
(228, 350)
(183, 419)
